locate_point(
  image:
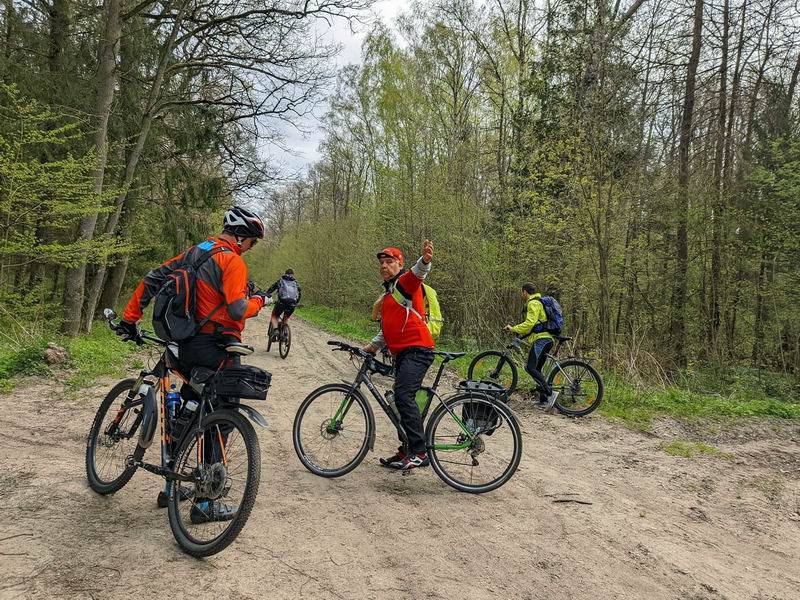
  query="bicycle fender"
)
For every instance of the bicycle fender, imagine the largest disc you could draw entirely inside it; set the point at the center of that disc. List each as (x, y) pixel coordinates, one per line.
(149, 416)
(252, 413)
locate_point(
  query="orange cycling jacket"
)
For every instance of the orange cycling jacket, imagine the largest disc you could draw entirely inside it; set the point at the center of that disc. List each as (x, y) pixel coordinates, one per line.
(221, 282)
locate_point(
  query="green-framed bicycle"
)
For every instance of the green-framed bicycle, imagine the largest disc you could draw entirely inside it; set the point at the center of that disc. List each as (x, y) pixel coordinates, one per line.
(473, 439)
(580, 387)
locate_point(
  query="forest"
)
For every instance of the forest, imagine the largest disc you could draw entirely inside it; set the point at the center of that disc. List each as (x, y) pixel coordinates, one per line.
(639, 161)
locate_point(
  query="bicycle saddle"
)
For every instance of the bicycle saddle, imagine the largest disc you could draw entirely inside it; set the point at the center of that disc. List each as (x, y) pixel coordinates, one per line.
(449, 355)
(238, 349)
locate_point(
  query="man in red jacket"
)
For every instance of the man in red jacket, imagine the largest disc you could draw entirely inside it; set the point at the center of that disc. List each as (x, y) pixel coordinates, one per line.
(404, 331)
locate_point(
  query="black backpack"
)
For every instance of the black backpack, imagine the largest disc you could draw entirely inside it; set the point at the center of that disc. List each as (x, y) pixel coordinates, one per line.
(175, 301)
(288, 292)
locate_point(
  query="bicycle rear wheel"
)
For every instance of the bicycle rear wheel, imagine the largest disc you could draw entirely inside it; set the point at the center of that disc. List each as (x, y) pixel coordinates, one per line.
(331, 432)
(224, 462)
(580, 387)
(285, 340)
(494, 366)
(112, 438)
(474, 443)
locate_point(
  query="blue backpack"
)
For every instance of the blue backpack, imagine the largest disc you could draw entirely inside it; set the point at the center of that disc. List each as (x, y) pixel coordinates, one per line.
(555, 317)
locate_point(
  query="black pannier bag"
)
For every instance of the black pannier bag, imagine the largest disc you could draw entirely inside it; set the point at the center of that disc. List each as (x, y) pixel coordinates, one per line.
(479, 416)
(244, 381)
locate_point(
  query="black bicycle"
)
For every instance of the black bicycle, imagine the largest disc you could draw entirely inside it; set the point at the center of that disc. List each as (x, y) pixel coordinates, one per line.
(473, 439)
(578, 385)
(210, 456)
(282, 334)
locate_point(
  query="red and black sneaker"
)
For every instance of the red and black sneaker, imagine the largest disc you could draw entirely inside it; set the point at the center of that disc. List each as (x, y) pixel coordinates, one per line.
(412, 461)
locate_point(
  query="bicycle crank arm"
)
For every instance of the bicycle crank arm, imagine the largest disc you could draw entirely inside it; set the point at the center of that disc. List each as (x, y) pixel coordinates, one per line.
(167, 474)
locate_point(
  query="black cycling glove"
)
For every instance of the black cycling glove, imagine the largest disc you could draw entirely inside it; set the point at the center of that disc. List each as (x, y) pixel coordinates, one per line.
(128, 331)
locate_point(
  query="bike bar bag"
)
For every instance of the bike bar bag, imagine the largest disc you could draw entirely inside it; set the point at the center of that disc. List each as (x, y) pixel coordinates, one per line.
(244, 381)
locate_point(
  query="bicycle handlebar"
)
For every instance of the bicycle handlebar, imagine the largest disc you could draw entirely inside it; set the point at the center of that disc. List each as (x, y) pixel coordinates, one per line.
(348, 348)
(373, 363)
(144, 336)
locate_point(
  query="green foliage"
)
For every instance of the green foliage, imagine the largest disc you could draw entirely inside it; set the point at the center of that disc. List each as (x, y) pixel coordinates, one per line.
(21, 358)
(96, 355)
(38, 192)
(736, 395)
(91, 356)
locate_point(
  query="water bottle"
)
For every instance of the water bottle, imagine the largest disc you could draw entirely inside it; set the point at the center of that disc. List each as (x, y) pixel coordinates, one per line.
(173, 402)
(187, 414)
(389, 395)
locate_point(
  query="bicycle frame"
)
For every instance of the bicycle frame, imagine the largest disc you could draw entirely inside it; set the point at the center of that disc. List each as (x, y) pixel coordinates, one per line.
(551, 359)
(144, 394)
(363, 376)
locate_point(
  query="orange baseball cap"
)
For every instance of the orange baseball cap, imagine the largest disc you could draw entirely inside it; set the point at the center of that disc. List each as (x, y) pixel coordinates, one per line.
(392, 252)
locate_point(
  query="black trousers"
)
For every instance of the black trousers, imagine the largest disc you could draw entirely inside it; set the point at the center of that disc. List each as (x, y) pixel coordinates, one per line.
(207, 350)
(410, 368)
(536, 358)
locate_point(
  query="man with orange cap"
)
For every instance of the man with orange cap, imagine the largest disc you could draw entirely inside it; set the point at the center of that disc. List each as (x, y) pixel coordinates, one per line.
(404, 331)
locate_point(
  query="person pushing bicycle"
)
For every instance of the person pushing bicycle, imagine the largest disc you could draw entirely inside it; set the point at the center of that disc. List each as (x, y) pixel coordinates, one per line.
(404, 331)
(541, 341)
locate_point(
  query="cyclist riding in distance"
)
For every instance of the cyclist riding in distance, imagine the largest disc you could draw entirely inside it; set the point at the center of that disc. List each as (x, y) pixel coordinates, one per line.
(404, 331)
(541, 341)
(289, 294)
(222, 304)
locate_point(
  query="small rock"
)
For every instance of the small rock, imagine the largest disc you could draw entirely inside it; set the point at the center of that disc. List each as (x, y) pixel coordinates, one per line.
(55, 355)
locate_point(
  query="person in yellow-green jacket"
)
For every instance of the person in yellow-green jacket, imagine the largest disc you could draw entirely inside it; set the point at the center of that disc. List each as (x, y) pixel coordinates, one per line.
(541, 341)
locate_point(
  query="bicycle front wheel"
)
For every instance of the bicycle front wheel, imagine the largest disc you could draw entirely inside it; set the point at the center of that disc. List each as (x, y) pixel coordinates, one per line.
(112, 438)
(285, 341)
(474, 443)
(332, 429)
(580, 387)
(496, 367)
(223, 460)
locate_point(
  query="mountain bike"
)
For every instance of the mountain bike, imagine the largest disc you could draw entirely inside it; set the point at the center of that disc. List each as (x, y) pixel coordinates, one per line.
(210, 456)
(283, 334)
(580, 387)
(473, 439)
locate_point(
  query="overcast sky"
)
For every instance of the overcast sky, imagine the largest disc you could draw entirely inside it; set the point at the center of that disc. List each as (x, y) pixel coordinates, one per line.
(306, 145)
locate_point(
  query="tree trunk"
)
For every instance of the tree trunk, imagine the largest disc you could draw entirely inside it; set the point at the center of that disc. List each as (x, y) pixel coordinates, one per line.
(11, 15)
(132, 164)
(677, 327)
(717, 217)
(106, 77)
(59, 30)
(114, 283)
(760, 312)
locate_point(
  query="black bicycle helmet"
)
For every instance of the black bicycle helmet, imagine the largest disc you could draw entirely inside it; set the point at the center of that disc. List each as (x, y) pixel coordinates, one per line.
(243, 223)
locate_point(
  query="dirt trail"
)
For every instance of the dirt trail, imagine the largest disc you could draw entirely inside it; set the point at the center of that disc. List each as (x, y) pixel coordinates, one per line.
(658, 526)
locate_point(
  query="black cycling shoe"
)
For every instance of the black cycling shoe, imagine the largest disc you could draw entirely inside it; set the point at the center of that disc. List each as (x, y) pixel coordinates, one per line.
(395, 458)
(206, 511)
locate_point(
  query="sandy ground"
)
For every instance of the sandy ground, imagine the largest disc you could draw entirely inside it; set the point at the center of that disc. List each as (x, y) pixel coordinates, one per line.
(658, 526)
